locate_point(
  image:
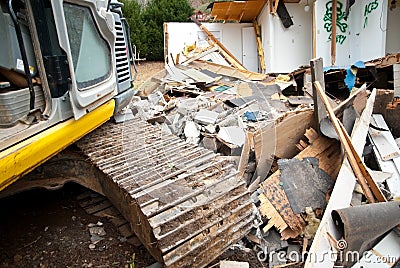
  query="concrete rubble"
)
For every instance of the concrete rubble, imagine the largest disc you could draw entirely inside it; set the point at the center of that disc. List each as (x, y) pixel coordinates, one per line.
(293, 164)
(97, 233)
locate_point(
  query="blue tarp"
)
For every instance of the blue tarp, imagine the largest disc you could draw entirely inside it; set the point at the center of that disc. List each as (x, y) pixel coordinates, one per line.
(351, 72)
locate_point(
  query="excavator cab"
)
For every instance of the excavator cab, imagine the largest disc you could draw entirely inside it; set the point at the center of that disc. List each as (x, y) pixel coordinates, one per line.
(59, 61)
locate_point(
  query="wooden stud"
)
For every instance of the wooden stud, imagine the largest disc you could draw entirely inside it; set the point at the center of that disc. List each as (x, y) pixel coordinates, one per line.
(275, 6)
(224, 51)
(259, 46)
(244, 157)
(370, 189)
(314, 31)
(333, 39)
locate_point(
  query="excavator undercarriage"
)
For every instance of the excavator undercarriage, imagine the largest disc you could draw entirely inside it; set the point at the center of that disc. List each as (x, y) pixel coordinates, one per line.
(186, 204)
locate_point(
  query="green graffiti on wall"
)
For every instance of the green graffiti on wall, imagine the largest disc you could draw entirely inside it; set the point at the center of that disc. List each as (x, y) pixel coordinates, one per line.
(340, 22)
(368, 10)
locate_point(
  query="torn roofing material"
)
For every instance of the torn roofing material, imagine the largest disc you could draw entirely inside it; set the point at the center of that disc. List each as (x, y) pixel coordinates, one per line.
(360, 225)
(305, 184)
(241, 11)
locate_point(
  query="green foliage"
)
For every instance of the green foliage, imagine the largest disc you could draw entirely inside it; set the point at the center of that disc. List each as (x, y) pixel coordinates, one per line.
(147, 23)
(133, 13)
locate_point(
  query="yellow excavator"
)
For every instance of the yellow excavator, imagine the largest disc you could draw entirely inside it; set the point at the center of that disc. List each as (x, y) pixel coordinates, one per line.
(65, 88)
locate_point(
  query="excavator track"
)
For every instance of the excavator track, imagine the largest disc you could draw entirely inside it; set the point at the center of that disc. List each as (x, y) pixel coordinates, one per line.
(186, 204)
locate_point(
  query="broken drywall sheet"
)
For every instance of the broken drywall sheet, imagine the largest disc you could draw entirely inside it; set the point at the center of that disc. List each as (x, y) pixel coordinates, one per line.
(232, 135)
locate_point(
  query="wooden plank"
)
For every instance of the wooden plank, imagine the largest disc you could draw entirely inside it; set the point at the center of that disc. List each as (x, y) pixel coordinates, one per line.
(384, 61)
(209, 50)
(328, 153)
(226, 53)
(260, 48)
(338, 110)
(333, 36)
(229, 71)
(275, 6)
(279, 138)
(314, 30)
(244, 157)
(370, 189)
(317, 74)
(341, 194)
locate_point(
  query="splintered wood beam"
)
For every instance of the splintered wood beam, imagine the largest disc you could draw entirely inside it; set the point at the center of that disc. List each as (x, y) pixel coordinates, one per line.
(314, 31)
(244, 157)
(275, 6)
(269, 211)
(333, 37)
(259, 46)
(224, 51)
(370, 189)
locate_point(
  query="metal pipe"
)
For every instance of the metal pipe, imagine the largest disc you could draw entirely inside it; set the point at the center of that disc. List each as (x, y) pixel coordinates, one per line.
(23, 55)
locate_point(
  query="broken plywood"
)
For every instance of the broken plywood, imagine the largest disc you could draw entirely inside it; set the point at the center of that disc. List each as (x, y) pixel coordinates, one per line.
(327, 151)
(229, 71)
(279, 138)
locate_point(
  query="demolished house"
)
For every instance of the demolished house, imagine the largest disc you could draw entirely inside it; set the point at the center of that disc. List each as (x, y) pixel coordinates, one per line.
(316, 142)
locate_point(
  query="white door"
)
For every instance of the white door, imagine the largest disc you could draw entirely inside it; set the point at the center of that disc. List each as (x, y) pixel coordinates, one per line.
(250, 54)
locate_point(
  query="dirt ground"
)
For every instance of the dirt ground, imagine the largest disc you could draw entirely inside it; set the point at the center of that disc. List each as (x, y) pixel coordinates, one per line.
(147, 69)
(42, 228)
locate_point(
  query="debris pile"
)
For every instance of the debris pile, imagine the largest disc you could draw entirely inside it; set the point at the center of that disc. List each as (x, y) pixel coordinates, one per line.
(224, 109)
(309, 160)
(336, 203)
